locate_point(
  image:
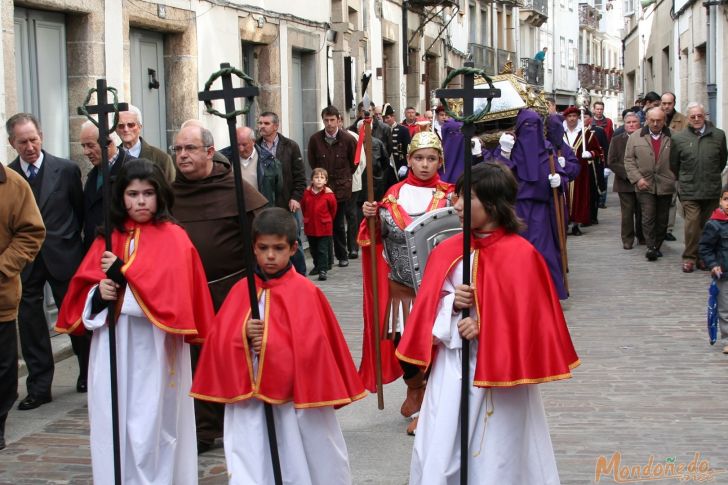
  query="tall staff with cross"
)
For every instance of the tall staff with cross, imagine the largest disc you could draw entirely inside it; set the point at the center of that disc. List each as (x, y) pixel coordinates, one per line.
(103, 109)
(468, 94)
(229, 94)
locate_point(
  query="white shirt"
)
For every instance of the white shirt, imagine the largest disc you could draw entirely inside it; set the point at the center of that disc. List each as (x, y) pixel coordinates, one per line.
(136, 149)
(24, 165)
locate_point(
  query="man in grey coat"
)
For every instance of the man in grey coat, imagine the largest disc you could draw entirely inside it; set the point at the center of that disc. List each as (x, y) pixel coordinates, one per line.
(697, 159)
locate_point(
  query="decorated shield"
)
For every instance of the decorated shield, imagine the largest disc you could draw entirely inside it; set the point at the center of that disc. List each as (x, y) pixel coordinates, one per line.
(426, 232)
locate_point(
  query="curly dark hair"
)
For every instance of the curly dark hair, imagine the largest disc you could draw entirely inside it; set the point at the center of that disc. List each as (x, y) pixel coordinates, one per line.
(496, 188)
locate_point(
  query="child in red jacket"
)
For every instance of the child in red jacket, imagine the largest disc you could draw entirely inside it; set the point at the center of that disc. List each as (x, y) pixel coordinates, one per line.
(319, 208)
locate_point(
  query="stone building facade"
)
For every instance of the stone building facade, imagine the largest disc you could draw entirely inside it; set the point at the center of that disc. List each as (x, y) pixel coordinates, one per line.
(680, 47)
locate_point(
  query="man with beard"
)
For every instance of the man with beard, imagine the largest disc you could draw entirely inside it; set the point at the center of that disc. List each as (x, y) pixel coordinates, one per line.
(205, 205)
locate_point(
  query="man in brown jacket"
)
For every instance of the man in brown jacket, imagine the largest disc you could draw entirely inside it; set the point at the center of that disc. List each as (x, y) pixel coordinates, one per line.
(333, 149)
(630, 209)
(21, 236)
(129, 130)
(647, 163)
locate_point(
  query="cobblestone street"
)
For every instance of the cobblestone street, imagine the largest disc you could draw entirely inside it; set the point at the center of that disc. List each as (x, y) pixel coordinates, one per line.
(649, 384)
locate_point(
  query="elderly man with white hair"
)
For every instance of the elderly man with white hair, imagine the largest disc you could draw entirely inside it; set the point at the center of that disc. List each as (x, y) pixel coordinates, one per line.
(93, 215)
(697, 159)
(129, 129)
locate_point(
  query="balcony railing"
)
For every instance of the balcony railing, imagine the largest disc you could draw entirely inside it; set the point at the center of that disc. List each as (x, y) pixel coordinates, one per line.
(503, 56)
(491, 60)
(588, 17)
(598, 79)
(484, 57)
(532, 71)
(540, 6)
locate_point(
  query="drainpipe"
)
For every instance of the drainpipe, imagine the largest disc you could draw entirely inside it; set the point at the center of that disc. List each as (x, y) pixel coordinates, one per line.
(712, 87)
(405, 38)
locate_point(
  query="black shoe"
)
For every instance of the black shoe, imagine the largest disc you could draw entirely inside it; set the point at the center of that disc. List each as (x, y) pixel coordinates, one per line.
(575, 231)
(353, 255)
(343, 263)
(81, 385)
(32, 402)
(595, 221)
(602, 206)
(658, 252)
(313, 272)
(670, 237)
(203, 447)
(651, 254)
(2, 431)
(322, 276)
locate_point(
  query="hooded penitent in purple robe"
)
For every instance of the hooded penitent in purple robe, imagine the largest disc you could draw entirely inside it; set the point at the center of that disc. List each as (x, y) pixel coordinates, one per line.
(454, 151)
(529, 162)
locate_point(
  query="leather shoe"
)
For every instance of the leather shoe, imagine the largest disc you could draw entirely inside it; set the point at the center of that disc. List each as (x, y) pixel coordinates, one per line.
(322, 276)
(2, 431)
(670, 237)
(627, 246)
(32, 402)
(651, 254)
(688, 267)
(81, 385)
(313, 272)
(353, 255)
(343, 263)
(575, 231)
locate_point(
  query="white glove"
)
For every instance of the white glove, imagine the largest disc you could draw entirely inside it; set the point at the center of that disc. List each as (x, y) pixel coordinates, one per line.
(586, 154)
(506, 143)
(607, 172)
(562, 162)
(555, 181)
(402, 173)
(476, 147)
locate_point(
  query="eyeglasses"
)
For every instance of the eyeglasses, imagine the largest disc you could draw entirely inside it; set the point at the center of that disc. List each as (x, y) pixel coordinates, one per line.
(696, 117)
(186, 148)
(129, 126)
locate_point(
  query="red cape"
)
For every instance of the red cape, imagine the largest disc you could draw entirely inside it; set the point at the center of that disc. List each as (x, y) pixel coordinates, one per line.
(391, 369)
(304, 357)
(581, 196)
(523, 339)
(164, 273)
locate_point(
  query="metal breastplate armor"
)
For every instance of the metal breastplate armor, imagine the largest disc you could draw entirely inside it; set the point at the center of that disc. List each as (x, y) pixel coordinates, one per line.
(395, 249)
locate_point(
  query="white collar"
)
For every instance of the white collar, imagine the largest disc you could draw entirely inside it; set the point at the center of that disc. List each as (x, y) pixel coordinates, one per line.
(24, 165)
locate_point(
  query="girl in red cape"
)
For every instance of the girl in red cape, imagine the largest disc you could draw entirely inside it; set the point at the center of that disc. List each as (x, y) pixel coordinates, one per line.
(422, 191)
(518, 338)
(294, 357)
(158, 289)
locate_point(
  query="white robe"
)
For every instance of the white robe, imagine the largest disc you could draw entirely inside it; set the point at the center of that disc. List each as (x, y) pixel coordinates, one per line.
(156, 413)
(311, 447)
(514, 448)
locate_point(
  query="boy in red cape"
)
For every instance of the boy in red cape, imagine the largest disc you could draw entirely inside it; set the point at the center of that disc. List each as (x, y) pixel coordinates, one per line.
(518, 338)
(158, 288)
(295, 358)
(422, 191)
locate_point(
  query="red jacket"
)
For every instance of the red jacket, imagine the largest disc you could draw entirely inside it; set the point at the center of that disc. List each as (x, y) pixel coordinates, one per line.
(319, 211)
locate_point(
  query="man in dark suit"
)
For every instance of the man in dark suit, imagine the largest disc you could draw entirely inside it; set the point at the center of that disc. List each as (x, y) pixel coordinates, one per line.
(129, 130)
(56, 185)
(92, 193)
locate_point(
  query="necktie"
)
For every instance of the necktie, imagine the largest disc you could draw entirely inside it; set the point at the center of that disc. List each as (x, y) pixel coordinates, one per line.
(99, 180)
(32, 172)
